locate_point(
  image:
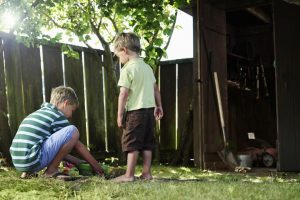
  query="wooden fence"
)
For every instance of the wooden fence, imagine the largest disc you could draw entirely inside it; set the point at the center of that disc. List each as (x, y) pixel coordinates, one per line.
(28, 74)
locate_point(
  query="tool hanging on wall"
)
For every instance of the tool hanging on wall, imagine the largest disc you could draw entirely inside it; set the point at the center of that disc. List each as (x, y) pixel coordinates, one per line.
(243, 81)
(260, 72)
(257, 82)
(264, 79)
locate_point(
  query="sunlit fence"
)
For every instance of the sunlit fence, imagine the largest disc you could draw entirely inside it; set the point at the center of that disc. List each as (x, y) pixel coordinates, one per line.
(27, 76)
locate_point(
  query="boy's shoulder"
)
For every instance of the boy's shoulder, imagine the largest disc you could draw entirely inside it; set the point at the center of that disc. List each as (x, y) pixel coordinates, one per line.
(50, 108)
(135, 64)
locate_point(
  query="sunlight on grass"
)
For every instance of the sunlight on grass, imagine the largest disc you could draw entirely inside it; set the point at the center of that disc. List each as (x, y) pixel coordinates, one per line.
(169, 183)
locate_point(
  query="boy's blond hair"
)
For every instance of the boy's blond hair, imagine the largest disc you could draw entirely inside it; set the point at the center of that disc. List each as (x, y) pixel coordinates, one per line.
(127, 40)
(62, 93)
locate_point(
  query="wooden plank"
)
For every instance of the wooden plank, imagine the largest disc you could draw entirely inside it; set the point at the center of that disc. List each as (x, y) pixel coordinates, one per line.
(230, 5)
(216, 45)
(95, 106)
(14, 85)
(197, 90)
(287, 48)
(111, 96)
(5, 134)
(31, 78)
(74, 79)
(53, 73)
(168, 97)
(210, 32)
(185, 93)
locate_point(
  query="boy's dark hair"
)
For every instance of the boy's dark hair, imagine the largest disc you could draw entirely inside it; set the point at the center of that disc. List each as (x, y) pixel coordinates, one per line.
(128, 40)
(62, 93)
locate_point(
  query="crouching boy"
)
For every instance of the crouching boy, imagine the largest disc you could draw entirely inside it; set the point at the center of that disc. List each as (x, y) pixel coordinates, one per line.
(45, 138)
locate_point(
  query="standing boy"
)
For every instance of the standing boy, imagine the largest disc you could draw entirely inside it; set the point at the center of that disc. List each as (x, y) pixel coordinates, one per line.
(45, 138)
(140, 98)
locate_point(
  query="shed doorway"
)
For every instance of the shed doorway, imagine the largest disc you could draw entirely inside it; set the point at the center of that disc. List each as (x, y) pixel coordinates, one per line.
(251, 82)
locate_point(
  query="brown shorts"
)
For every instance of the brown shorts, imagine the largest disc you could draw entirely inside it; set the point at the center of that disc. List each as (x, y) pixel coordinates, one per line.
(138, 134)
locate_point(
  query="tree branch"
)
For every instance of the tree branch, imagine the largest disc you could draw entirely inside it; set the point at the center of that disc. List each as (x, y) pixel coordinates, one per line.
(169, 39)
(95, 30)
(114, 24)
(173, 27)
(56, 23)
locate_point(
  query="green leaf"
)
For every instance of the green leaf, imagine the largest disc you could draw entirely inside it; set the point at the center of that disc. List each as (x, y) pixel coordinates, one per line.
(158, 42)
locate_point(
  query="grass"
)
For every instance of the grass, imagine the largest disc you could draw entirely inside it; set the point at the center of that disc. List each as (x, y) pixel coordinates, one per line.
(169, 183)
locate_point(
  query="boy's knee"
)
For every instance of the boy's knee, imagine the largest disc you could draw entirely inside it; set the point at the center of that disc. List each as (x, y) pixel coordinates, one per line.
(73, 130)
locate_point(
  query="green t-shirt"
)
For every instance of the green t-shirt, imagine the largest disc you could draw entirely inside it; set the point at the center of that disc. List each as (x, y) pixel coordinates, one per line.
(138, 77)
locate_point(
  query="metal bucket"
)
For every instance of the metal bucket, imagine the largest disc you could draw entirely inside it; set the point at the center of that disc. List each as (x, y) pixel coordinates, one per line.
(244, 160)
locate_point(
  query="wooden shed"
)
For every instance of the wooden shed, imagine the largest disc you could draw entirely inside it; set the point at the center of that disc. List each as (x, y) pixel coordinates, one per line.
(254, 46)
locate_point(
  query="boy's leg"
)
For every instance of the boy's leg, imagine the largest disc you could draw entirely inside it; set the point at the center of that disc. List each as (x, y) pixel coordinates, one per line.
(51, 147)
(147, 158)
(57, 147)
(131, 164)
(149, 145)
(52, 168)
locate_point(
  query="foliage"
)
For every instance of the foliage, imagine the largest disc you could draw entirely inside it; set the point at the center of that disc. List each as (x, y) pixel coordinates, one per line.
(168, 183)
(152, 20)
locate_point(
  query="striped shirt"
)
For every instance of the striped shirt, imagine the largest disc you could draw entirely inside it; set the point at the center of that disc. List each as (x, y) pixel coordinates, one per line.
(26, 146)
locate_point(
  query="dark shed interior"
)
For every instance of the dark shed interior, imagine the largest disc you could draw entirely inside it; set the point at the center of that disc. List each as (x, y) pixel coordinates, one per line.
(251, 76)
(254, 47)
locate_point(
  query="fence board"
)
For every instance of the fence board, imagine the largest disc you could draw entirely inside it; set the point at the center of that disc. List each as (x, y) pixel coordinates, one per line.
(74, 79)
(167, 87)
(94, 89)
(31, 78)
(14, 84)
(52, 69)
(114, 133)
(24, 93)
(5, 135)
(185, 93)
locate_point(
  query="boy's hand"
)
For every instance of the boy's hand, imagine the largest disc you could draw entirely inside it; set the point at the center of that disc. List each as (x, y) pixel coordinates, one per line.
(120, 121)
(158, 113)
(99, 171)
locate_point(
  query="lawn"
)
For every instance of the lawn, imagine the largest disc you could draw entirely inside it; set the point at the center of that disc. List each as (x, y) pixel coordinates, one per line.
(169, 183)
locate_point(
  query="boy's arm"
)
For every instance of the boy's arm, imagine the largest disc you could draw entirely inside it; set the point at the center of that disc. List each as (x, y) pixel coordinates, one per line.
(121, 104)
(158, 111)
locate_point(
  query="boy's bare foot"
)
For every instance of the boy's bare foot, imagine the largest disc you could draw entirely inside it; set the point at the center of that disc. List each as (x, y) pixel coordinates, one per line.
(146, 177)
(123, 179)
(50, 172)
(27, 175)
(59, 175)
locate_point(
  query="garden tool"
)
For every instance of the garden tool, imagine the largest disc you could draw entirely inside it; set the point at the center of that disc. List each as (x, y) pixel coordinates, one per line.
(261, 69)
(257, 82)
(264, 79)
(225, 154)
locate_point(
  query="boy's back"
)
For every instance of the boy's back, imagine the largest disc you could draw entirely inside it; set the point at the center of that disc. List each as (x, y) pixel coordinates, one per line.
(141, 97)
(138, 77)
(45, 138)
(33, 131)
